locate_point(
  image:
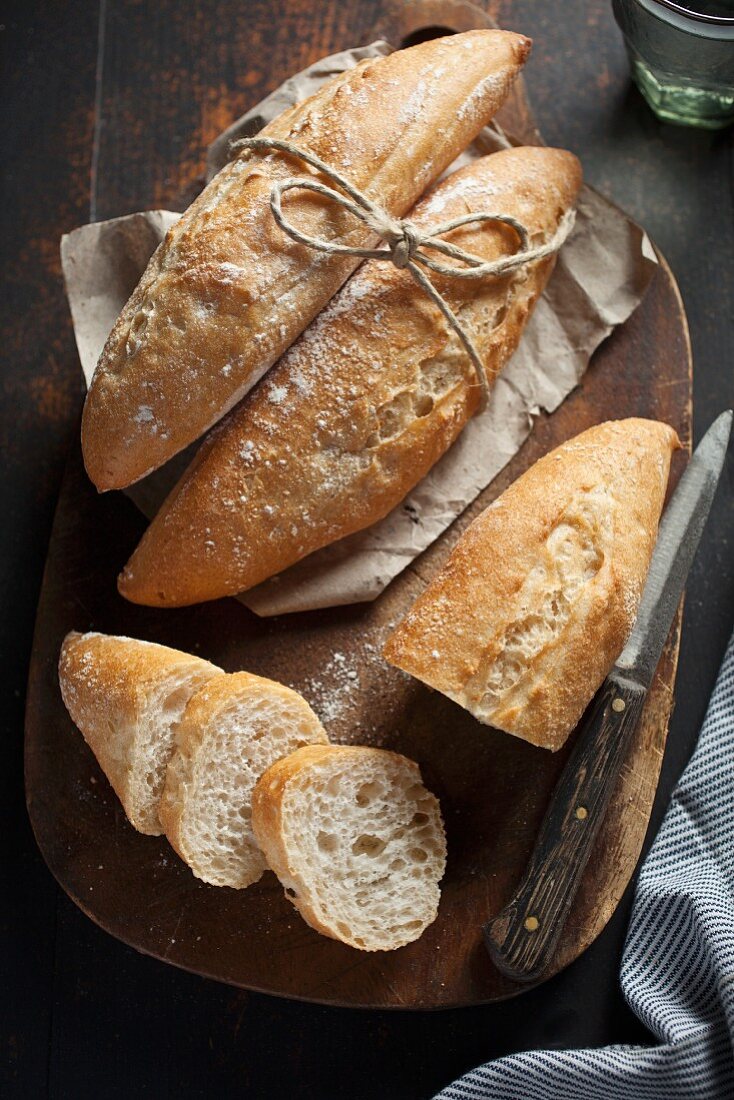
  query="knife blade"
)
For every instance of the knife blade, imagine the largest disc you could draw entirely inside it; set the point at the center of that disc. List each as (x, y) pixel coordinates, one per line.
(678, 537)
(523, 937)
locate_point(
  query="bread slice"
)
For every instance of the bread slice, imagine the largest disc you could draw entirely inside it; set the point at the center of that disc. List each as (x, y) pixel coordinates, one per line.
(127, 697)
(539, 596)
(227, 291)
(356, 840)
(232, 731)
(374, 393)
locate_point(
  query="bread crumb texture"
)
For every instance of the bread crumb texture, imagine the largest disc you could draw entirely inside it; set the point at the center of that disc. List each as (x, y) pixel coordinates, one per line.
(127, 697)
(231, 732)
(540, 594)
(357, 842)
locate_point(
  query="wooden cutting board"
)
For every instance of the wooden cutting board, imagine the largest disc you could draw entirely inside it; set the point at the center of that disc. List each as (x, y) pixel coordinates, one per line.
(493, 788)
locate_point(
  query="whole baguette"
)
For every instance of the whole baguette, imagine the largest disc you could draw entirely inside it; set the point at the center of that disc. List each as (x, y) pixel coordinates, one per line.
(539, 596)
(227, 291)
(127, 697)
(359, 409)
(356, 841)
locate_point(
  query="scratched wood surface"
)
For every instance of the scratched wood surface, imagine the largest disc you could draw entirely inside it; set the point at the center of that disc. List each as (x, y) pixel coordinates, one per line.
(493, 789)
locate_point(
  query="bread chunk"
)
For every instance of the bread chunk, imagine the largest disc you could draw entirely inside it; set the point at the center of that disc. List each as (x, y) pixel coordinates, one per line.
(127, 698)
(541, 592)
(232, 731)
(356, 840)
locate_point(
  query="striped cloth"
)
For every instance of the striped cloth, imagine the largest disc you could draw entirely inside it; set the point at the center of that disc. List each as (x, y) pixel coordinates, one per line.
(678, 963)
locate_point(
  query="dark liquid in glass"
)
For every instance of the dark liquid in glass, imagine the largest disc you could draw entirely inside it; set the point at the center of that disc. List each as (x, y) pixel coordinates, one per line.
(683, 65)
(723, 8)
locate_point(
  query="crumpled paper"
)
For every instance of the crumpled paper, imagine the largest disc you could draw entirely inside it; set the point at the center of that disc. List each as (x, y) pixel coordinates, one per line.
(600, 277)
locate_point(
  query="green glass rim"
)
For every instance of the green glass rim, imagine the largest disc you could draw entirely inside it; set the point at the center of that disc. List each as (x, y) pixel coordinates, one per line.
(701, 17)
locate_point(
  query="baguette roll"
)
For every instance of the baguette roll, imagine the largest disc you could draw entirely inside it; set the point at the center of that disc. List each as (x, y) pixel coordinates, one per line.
(227, 292)
(540, 594)
(127, 698)
(359, 409)
(356, 840)
(231, 732)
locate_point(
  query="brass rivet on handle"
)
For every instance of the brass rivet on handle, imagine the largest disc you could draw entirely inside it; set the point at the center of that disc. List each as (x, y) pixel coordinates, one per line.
(581, 812)
(532, 924)
(618, 705)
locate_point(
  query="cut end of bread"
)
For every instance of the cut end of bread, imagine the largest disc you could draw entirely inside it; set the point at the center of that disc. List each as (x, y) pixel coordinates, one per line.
(232, 731)
(127, 698)
(357, 842)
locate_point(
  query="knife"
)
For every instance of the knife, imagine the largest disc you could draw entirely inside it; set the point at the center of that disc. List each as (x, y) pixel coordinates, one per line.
(523, 937)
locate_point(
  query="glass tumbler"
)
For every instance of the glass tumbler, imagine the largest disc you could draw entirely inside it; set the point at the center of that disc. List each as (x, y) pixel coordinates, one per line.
(682, 57)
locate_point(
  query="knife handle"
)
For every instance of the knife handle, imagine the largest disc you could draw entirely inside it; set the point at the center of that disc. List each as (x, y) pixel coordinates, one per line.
(522, 938)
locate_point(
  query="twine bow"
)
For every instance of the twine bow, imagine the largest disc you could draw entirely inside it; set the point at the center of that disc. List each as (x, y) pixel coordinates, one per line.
(406, 243)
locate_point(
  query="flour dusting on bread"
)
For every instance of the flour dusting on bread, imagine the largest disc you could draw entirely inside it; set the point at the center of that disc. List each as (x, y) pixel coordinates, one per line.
(226, 293)
(540, 594)
(372, 394)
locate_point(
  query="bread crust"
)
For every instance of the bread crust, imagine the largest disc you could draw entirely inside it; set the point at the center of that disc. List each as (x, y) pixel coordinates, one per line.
(540, 594)
(267, 806)
(196, 726)
(268, 819)
(106, 683)
(227, 292)
(361, 407)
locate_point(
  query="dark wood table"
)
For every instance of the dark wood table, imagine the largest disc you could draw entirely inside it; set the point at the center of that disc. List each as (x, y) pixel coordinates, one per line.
(82, 1015)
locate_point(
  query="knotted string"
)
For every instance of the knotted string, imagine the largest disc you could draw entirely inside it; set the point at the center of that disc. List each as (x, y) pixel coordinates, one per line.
(406, 243)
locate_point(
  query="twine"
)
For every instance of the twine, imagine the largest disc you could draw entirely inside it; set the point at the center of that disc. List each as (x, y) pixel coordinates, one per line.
(406, 243)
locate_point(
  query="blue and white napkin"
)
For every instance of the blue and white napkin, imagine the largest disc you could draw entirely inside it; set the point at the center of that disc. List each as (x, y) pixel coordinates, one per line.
(678, 962)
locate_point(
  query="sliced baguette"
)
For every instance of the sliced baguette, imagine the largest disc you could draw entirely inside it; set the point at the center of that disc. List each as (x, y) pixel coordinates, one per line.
(227, 291)
(373, 394)
(356, 841)
(538, 598)
(127, 697)
(232, 731)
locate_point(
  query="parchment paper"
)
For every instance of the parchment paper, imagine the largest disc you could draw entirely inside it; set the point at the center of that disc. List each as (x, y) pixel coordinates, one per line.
(600, 277)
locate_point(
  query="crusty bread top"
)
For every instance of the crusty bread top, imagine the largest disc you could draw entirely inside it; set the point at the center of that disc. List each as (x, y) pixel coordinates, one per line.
(95, 669)
(370, 396)
(230, 691)
(356, 840)
(538, 598)
(227, 292)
